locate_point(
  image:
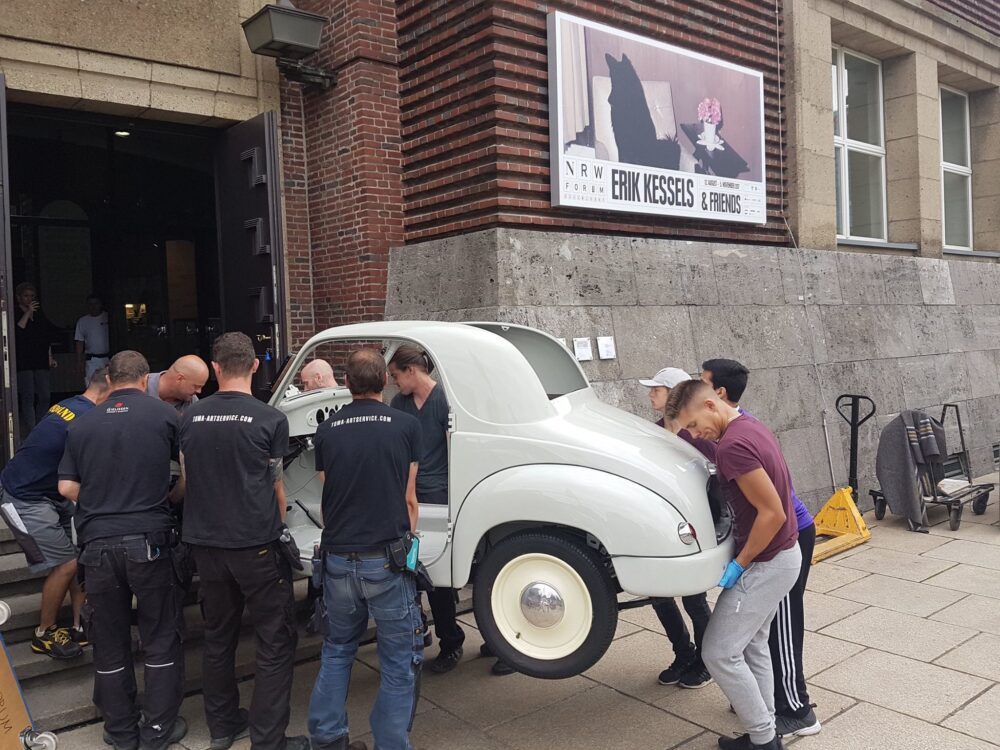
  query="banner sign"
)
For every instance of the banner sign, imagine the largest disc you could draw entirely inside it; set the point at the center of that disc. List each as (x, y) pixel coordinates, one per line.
(642, 126)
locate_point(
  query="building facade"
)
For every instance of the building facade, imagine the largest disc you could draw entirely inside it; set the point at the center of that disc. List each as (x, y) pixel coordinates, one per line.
(420, 185)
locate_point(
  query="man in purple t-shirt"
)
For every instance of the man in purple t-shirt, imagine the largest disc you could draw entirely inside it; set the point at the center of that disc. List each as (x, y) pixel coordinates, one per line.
(767, 561)
(793, 710)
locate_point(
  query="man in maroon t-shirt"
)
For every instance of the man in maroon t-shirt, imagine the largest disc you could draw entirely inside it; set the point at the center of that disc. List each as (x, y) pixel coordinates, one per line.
(767, 561)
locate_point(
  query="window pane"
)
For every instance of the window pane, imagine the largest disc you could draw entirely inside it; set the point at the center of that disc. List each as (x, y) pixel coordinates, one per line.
(863, 121)
(954, 128)
(837, 166)
(956, 210)
(836, 94)
(864, 181)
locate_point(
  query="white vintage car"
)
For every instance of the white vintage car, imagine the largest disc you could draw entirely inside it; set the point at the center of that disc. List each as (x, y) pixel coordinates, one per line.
(558, 502)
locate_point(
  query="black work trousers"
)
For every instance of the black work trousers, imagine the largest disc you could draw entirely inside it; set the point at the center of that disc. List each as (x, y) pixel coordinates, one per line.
(261, 580)
(115, 570)
(673, 623)
(791, 696)
(446, 626)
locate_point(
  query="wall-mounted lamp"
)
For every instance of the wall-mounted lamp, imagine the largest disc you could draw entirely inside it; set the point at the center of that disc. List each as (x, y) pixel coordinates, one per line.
(289, 34)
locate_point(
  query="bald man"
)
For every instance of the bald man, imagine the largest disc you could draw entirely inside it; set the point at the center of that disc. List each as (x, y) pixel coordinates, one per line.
(318, 374)
(179, 385)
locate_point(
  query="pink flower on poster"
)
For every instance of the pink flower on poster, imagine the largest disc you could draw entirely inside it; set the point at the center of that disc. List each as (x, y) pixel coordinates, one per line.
(709, 110)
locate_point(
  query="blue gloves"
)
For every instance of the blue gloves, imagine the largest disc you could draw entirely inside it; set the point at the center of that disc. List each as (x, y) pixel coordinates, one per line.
(733, 572)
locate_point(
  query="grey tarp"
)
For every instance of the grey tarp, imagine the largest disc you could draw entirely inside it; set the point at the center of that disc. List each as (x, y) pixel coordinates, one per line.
(910, 442)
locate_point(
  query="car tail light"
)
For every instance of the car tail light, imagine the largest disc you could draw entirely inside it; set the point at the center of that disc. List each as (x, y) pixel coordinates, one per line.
(687, 533)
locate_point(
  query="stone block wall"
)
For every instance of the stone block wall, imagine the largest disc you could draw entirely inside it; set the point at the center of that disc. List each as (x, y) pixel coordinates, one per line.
(908, 332)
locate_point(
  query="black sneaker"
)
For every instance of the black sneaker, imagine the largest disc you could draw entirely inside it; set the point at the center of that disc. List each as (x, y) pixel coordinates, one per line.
(672, 674)
(176, 734)
(485, 651)
(226, 742)
(743, 743)
(56, 642)
(789, 726)
(446, 661)
(695, 678)
(299, 742)
(79, 637)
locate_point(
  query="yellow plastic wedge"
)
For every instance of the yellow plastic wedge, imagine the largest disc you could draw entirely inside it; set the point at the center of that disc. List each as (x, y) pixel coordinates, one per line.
(839, 525)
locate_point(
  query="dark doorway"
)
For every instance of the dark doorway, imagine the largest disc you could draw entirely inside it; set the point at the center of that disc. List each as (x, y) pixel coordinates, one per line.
(122, 209)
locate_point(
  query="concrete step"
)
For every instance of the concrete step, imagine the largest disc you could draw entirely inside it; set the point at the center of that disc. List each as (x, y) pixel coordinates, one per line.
(66, 699)
(15, 578)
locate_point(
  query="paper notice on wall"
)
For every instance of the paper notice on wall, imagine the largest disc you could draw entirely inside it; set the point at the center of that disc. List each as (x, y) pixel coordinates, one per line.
(606, 347)
(583, 350)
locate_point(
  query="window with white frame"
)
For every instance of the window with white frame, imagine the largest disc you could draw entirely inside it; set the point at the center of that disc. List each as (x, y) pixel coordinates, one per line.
(859, 146)
(956, 170)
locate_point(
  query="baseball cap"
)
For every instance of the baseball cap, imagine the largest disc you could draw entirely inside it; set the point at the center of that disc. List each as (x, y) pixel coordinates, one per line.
(668, 376)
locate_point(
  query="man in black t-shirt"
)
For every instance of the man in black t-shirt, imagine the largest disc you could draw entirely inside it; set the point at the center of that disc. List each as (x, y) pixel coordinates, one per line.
(116, 468)
(367, 455)
(232, 447)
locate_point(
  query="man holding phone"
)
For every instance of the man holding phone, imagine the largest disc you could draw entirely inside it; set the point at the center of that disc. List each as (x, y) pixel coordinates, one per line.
(367, 455)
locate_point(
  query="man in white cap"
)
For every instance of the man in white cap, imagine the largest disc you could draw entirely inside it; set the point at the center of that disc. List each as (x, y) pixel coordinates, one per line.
(687, 670)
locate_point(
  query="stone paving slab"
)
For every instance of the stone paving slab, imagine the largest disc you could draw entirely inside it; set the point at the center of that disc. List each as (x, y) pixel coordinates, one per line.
(898, 537)
(977, 612)
(484, 700)
(583, 722)
(968, 579)
(899, 595)
(899, 633)
(868, 727)
(632, 665)
(981, 718)
(887, 562)
(973, 532)
(824, 609)
(979, 656)
(911, 687)
(970, 553)
(827, 577)
(820, 652)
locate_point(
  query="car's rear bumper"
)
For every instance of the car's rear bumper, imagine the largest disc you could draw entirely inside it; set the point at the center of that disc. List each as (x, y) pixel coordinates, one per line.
(673, 576)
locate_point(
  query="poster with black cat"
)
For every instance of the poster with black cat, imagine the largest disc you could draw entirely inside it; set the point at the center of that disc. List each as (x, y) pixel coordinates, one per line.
(643, 126)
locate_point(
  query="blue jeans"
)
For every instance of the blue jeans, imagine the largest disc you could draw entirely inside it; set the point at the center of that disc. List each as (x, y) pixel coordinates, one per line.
(352, 590)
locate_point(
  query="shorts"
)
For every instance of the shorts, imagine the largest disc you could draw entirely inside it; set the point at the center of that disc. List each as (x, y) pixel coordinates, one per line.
(43, 528)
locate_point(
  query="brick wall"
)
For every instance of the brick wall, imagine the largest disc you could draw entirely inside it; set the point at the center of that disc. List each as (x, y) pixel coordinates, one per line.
(983, 13)
(474, 88)
(341, 155)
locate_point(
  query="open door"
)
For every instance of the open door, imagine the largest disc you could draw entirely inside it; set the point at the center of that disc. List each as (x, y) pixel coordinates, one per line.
(250, 243)
(8, 373)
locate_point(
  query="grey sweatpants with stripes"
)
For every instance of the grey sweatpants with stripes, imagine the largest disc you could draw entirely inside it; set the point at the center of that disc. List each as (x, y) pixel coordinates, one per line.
(736, 651)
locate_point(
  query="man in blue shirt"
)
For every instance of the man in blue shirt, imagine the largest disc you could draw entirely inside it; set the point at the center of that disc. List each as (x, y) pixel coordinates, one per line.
(40, 518)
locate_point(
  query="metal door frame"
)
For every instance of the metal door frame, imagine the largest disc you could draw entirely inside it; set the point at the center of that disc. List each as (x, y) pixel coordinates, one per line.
(8, 398)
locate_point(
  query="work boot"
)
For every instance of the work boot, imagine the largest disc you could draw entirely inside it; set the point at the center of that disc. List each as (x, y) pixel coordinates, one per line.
(133, 745)
(176, 734)
(790, 726)
(299, 742)
(446, 661)
(56, 643)
(225, 742)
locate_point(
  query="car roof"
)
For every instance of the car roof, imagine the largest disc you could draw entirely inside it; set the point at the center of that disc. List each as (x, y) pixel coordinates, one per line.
(487, 375)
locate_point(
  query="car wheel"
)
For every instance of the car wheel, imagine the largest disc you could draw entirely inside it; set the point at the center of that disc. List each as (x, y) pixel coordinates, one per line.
(545, 604)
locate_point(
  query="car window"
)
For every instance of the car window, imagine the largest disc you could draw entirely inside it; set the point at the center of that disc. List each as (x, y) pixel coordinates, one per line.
(551, 361)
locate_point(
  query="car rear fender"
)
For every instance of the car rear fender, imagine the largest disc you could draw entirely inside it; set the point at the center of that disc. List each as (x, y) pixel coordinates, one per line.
(627, 518)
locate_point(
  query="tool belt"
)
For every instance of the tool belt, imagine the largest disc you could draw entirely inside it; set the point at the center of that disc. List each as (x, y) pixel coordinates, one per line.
(104, 355)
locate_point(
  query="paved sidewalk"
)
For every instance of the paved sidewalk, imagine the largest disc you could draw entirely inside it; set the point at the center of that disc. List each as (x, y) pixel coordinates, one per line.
(902, 653)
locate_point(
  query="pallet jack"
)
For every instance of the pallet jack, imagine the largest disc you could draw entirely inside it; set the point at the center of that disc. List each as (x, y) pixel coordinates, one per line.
(839, 523)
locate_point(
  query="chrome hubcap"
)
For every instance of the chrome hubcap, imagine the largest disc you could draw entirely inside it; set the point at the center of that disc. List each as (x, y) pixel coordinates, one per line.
(542, 605)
